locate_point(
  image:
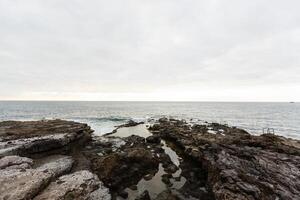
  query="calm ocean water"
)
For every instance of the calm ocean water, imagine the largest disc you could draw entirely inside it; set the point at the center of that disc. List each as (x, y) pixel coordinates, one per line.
(103, 116)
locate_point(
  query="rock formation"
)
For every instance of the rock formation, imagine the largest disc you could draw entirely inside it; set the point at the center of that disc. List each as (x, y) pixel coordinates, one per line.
(57, 159)
(44, 174)
(238, 165)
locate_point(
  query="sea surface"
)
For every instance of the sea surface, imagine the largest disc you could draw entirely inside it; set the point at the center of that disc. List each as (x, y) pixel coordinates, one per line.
(104, 116)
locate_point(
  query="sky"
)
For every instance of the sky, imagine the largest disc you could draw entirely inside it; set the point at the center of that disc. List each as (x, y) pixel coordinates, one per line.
(150, 50)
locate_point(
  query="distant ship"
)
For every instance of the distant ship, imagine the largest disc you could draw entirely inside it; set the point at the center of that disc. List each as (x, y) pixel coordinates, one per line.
(292, 102)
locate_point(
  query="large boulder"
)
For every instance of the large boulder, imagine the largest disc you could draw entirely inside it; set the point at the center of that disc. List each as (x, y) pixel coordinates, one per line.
(153, 139)
(25, 182)
(79, 185)
(124, 168)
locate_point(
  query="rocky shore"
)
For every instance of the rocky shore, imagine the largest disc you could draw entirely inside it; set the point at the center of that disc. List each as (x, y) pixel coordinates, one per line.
(170, 159)
(39, 160)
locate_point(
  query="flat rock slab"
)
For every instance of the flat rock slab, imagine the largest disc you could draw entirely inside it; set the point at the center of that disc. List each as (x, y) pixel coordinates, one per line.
(79, 185)
(26, 182)
(15, 162)
(25, 138)
(25, 129)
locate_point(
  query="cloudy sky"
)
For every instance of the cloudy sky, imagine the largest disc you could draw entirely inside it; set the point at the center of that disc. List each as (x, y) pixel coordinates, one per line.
(189, 50)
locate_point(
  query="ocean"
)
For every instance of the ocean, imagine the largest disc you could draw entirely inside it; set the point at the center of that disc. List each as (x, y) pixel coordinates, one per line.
(104, 116)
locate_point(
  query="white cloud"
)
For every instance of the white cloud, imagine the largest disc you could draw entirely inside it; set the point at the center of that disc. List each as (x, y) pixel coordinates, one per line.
(150, 50)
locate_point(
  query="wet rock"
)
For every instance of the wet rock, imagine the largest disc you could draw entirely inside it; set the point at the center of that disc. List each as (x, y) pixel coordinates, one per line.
(130, 123)
(148, 177)
(126, 168)
(79, 185)
(133, 187)
(166, 179)
(123, 194)
(153, 139)
(171, 168)
(144, 196)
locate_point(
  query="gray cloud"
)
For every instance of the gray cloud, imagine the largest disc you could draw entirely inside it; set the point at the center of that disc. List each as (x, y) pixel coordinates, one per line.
(150, 50)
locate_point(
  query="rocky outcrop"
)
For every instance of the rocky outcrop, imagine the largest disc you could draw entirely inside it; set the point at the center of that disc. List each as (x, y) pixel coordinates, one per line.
(125, 167)
(31, 137)
(46, 175)
(58, 159)
(130, 123)
(238, 165)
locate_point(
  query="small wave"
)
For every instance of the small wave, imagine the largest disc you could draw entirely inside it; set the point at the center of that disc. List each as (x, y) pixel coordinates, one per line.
(103, 119)
(114, 119)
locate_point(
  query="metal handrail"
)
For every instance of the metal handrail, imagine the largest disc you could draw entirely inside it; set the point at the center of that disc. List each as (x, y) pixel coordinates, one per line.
(268, 131)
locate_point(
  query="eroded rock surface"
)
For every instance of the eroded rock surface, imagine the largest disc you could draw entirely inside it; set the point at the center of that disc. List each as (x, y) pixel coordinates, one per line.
(122, 167)
(23, 181)
(15, 162)
(27, 138)
(58, 159)
(238, 165)
(79, 185)
(46, 175)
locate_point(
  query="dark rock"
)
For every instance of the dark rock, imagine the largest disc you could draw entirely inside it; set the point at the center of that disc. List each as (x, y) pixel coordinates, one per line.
(133, 187)
(171, 168)
(153, 139)
(167, 195)
(121, 170)
(130, 123)
(123, 194)
(144, 196)
(148, 177)
(165, 178)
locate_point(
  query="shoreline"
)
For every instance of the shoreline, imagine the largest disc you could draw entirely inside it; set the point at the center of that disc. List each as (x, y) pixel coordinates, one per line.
(211, 161)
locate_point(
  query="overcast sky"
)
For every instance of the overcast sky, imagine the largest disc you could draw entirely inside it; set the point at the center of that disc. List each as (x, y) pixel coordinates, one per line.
(172, 50)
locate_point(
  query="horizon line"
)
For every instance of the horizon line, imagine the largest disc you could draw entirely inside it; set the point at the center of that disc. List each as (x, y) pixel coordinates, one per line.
(195, 101)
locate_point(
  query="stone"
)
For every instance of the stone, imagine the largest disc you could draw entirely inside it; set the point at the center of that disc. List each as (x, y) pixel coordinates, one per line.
(171, 168)
(166, 179)
(166, 195)
(130, 123)
(237, 165)
(26, 183)
(144, 196)
(15, 162)
(153, 139)
(123, 194)
(78, 185)
(31, 137)
(133, 187)
(148, 177)
(124, 168)
(59, 166)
